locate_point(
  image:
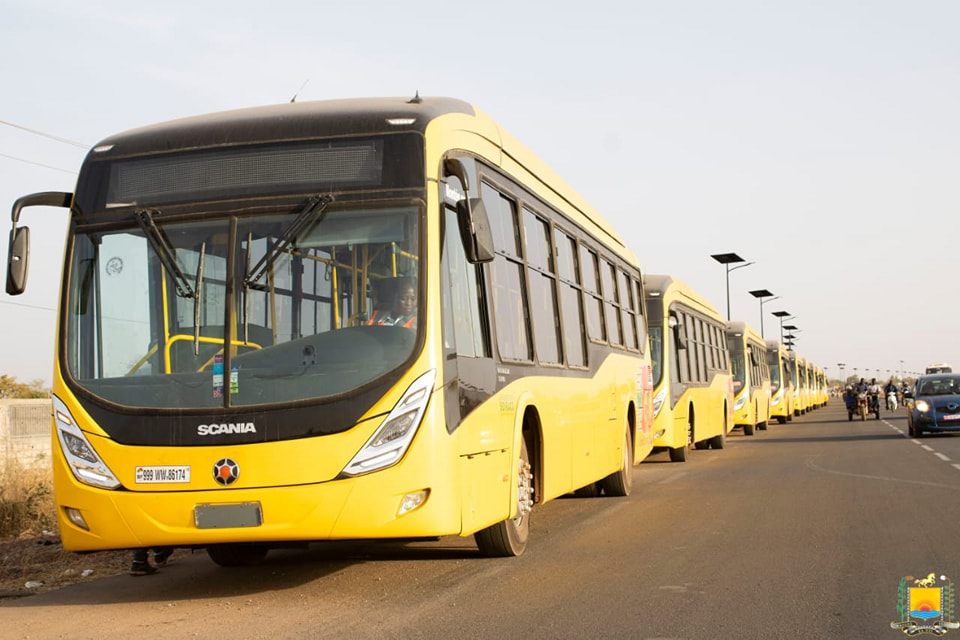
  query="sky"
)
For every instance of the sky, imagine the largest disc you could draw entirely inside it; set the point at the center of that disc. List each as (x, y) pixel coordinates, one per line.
(819, 140)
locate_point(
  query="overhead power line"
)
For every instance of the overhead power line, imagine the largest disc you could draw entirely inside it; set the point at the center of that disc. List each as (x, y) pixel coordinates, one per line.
(46, 135)
(29, 306)
(38, 164)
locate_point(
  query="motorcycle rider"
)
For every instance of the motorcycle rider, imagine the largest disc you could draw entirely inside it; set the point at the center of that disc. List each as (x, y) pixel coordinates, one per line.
(890, 391)
(873, 393)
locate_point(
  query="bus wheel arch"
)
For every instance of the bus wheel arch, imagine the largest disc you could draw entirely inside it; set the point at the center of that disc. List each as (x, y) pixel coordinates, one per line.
(509, 537)
(720, 441)
(692, 435)
(679, 454)
(620, 482)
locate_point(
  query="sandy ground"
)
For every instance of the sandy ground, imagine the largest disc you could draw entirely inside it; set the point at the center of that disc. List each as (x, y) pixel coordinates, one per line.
(40, 563)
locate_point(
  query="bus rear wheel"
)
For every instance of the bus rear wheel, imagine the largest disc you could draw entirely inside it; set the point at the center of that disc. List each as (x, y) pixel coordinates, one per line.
(237, 555)
(509, 537)
(620, 482)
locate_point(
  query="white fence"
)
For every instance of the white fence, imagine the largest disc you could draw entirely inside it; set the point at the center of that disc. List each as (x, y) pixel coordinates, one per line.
(25, 433)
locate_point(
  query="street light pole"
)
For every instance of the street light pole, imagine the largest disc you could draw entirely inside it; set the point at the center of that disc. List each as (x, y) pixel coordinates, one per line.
(760, 294)
(726, 259)
(841, 365)
(790, 336)
(783, 315)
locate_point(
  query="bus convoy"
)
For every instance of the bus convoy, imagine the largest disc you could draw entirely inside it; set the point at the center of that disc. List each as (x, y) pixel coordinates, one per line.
(233, 373)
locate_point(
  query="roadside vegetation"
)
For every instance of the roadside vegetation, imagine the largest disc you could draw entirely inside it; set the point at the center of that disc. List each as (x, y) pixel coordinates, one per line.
(10, 388)
(26, 501)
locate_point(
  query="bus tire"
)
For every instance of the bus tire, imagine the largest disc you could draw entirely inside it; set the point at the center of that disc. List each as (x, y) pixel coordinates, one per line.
(679, 454)
(619, 483)
(781, 419)
(720, 441)
(762, 426)
(237, 555)
(748, 429)
(592, 490)
(508, 538)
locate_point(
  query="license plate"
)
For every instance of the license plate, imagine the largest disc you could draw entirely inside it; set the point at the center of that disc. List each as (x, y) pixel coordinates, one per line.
(163, 474)
(952, 416)
(228, 516)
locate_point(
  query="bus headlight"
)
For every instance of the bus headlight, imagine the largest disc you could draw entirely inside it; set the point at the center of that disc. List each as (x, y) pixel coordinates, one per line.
(777, 398)
(740, 401)
(86, 465)
(658, 401)
(390, 442)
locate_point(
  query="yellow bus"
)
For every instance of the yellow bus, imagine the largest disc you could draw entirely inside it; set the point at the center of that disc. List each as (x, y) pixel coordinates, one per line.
(374, 318)
(801, 394)
(692, 386)
(751, 377)
(781, 382)
(823, 392)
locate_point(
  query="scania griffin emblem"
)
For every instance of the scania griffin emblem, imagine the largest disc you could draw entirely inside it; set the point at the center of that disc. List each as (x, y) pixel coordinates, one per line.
(226, 471)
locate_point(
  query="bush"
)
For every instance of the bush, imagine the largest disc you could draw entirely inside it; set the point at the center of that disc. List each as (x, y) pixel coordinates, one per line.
(26, 502)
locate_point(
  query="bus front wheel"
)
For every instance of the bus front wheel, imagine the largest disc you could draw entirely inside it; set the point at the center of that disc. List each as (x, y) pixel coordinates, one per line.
(237, 555)
(509, 537)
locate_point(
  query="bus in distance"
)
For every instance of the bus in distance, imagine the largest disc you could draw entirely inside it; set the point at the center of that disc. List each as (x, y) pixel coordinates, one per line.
(938, 367)
(692, 386)
(781, 382)
(347, 319)
(751, 377)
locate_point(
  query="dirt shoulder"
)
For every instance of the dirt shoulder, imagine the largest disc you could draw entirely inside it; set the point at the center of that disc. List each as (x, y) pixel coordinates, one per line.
(38, 564)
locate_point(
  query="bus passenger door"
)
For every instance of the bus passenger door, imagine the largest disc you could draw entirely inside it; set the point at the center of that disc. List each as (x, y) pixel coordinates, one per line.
(469, 374)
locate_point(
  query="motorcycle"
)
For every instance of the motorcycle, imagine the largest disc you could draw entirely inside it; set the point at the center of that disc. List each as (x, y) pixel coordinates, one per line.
(892, 402)
(857, 404)
(873, 404)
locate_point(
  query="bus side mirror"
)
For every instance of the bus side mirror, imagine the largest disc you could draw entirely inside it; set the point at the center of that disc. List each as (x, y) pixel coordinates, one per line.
(18, 259)
(475, 230)
(681, 336)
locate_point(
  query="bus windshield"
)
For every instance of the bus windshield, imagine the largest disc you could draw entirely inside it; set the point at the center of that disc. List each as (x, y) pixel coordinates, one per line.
(738, 369)
(656, 352)
(773, 359)
(232, 310)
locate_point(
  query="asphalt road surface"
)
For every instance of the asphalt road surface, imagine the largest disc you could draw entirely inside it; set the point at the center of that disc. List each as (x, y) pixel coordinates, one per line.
(804, 530)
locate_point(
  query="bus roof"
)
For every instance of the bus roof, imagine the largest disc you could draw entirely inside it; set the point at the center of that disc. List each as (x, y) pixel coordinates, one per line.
(296, 121)
(663, 285)
(744, 329)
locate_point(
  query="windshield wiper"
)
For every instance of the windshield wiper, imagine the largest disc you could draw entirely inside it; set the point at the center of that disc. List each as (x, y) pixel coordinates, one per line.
(307, 217)
(165, 252)
(196, 300)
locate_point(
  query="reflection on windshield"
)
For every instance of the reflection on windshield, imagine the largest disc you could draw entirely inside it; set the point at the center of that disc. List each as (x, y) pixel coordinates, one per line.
(738, 371)
(656, 353)
(299, 330)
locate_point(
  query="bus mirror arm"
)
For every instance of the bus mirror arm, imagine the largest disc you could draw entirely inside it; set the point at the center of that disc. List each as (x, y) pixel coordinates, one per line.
(18, 256)
(475, 230)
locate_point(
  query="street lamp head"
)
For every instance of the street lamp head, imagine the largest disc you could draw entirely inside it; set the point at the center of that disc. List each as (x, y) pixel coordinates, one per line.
(761, 293)
(790, 327)
(726, 258)
(781, 314)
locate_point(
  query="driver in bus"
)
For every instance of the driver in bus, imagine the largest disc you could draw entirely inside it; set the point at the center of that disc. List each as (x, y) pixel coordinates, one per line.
(402, 312)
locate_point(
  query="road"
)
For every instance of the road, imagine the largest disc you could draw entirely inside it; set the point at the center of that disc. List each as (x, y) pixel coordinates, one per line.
(800, 531)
